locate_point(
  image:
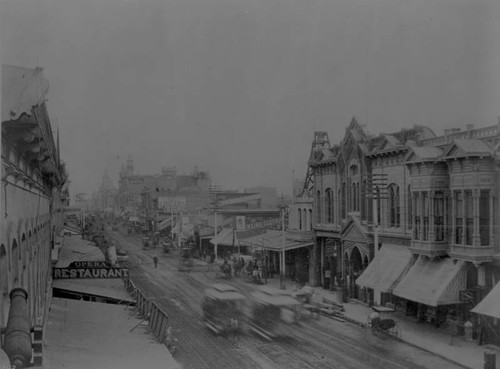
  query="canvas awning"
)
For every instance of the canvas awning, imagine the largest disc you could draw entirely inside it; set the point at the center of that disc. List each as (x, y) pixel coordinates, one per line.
(224, 238)
(273, 240)
(490, 305)
(386, 270)
(433, 282)
(164, 224)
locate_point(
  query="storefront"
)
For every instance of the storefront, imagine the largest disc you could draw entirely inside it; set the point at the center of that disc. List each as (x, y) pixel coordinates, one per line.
(381, 276)
(297, 254)
(430, 290)
(489, 312)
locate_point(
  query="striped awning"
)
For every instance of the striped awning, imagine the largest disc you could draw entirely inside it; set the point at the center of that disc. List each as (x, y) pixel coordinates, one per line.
(387, 269)
(433, 282)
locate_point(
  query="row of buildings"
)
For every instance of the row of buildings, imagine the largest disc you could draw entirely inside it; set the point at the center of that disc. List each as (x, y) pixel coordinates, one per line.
(33, 197)
(407, 219)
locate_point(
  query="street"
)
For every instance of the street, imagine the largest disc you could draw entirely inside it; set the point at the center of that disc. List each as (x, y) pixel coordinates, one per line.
(323, 343)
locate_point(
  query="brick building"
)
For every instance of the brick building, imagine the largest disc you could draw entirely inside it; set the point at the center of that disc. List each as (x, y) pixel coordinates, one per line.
(408, 218)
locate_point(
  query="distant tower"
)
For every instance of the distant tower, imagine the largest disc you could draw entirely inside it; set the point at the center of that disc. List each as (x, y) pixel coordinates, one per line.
(130, 166)
(319, 143)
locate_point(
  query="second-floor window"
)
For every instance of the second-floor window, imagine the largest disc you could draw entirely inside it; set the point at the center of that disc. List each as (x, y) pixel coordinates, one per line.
(416, 203)
(425, 215)
(318, 206)
(469, 217)
(394, 207)
(329, 205)
(458, 217)
(484, 217)
(439, 215)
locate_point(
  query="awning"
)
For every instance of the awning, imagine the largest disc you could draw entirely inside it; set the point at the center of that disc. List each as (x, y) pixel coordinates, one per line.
(109, 289)
(224, 238)
(490, 305)
(273, 240)
(164, 224)
(433, 282)
(386, 269)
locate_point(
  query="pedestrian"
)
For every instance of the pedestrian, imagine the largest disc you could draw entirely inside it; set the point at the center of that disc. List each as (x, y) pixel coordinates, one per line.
(155, 260)
(234, 331)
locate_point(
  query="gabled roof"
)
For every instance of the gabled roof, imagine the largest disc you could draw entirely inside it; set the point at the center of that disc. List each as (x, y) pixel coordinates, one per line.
(426, 153)
(22, 88)
(468, 147)
(354, 231)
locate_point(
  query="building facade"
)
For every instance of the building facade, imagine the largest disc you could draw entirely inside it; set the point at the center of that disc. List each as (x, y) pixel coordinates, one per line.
(33, 195)
(395, 215)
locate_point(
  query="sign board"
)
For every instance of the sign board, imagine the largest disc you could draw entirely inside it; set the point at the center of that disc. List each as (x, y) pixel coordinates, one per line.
(171, 204)
(89, 270)
(89, 273)
(254, 225)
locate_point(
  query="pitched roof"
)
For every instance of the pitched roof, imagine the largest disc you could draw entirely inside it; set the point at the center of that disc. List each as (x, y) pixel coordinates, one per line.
(423, 153)
(22, 88)
(468, 147)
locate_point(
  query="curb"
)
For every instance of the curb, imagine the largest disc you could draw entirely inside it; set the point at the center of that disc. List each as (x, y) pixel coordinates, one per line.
(363, 325)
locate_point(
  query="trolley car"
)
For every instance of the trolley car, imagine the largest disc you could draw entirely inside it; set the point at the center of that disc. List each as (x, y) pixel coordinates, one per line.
(222, 303)
(273, 313)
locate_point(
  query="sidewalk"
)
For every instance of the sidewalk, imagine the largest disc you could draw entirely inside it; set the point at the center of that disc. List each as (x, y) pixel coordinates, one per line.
(83, 334)
(436, 340)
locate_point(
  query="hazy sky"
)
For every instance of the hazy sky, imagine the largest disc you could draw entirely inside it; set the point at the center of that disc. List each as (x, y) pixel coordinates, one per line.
(238, 87)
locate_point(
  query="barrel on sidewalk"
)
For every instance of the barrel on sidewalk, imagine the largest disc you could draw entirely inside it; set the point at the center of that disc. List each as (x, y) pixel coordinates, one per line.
(490, 359)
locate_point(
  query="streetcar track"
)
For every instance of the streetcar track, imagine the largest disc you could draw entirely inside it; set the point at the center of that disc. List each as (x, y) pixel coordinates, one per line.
(311, 347)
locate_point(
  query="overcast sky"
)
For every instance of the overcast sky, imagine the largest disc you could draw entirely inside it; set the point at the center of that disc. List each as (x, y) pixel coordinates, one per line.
(238, 87)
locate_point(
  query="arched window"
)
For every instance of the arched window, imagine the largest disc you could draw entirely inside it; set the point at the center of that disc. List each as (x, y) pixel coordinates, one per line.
(343, 200)
(15, 263)
(329, 205)
(310, 226)
(353, 195)
(318, 206)
(394, 208)
(300, 219)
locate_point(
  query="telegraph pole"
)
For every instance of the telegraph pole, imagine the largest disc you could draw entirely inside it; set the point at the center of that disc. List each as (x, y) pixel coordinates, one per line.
(282, 266)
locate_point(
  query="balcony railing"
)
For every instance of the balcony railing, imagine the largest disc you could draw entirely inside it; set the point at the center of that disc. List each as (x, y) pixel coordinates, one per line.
(472, 253)
(428, 248)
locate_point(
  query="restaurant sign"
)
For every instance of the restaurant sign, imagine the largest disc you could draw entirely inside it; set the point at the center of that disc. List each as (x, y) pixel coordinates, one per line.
(89, 270)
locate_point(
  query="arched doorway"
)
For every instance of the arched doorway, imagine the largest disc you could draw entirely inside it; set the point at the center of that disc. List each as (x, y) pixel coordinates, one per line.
(355, 270)
(15, 264)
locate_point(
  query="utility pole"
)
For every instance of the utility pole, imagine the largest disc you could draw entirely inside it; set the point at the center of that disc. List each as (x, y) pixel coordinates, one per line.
(282, 266)
(214, 190)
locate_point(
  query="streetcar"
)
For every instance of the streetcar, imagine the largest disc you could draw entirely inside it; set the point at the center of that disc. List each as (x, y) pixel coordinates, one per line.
(220, 304)
(273, 313)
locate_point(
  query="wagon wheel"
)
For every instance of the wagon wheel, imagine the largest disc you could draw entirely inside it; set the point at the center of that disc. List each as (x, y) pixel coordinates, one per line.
(396, 331)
